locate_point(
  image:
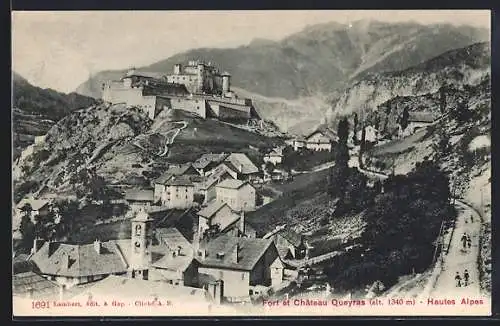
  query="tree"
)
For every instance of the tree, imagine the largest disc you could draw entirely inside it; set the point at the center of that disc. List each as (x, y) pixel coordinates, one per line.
(339, 173)
(26, 227)
(404, 119)
(355, 128)
(442, 99)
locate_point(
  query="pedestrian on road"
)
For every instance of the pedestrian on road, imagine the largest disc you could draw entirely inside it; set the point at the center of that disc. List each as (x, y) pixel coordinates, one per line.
(466, 278)
(464, 240)
(469, 241)
(458, 279)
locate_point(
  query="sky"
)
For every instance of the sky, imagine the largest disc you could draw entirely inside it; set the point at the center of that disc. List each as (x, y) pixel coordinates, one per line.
(60, 50)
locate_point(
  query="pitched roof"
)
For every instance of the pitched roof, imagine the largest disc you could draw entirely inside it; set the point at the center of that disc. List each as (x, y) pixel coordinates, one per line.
(291, 236)
(177, 263)
(250, 250)
(62, 259)
(325, 132)
(136, 289)
(174, 239)
(241, 160)
(139, 195)
(24, 283)
(232, 184)
(422, 117)
(181, 180)
(174, 170)
(206, 159)
(212, 207)
(218, 173)
(36, 204)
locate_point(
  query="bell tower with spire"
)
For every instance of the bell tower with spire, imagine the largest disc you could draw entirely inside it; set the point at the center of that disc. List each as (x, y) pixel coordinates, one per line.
(141, 240)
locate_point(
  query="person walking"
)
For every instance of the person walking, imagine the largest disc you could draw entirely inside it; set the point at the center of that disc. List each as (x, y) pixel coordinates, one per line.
(469, 241)
(458, 279)
(464, 240)
(466, 277)
(472, 218)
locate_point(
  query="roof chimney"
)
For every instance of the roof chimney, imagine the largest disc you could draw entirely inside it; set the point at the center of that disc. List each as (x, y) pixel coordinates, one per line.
(66, 261)
(242, 223)
(236, 253)
(37, 244)
(98, 246)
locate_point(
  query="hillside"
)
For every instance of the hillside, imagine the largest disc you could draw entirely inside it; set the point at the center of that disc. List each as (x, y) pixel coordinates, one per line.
(35, 110)
(461, 143)
(118, 145)
(455, 68)
(321, 59)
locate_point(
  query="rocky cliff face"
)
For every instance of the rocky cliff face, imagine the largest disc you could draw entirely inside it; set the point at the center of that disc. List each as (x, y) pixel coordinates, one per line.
(465, 66)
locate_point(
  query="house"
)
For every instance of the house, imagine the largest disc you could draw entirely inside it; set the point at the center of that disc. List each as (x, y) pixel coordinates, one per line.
(247, 170)
(71, 264)
(275, 156)
(297, 143)
(239, 195)
(179, 193)
(177, 266)
(371, 134)
(417, 120)
(209, 188)
(216, 212)
(207, 162)
(173, 171)
(142, 291)
(290, 244)
(38, 207)
(320, 140)
(137, 198)
(239, 264)
(276, 175)
(240, 228)
(31, 285)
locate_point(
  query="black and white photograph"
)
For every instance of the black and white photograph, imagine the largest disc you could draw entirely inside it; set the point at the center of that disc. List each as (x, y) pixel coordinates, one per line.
(251, 163)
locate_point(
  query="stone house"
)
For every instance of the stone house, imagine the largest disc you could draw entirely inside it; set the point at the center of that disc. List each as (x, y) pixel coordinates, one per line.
(70, 264)
(138, 198)
(173, 171)
(246, 169)
(320, 140)
(290, 244)
(239, 195)
(216, 212)
(39, 207)
(239, 264)
(275, 156)
(179, 193)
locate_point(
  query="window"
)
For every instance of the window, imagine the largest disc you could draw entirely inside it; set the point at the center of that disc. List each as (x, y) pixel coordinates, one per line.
(138, 230)
(242, 276)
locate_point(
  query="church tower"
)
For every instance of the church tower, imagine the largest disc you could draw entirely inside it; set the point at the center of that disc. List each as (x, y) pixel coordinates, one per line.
(141, 241)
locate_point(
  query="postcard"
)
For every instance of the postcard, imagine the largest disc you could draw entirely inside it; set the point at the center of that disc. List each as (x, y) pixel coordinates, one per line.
(251, 163)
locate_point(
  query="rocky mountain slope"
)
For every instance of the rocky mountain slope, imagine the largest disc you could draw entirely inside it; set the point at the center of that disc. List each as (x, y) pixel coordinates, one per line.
(461, 143)
(35, 110)
(321, 59)
(119, 145)
(455, 68)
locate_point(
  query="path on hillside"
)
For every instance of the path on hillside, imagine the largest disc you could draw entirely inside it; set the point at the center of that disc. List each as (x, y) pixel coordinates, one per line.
(455, 259)
(458, 259)
(176, 133)
(317, 168)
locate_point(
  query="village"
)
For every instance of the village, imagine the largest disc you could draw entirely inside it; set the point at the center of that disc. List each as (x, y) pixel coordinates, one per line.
(221, 258)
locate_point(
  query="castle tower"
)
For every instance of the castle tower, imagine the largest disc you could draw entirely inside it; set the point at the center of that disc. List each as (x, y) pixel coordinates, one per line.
(141, 240)
(177, 69)
(226, 83)
(201, 77)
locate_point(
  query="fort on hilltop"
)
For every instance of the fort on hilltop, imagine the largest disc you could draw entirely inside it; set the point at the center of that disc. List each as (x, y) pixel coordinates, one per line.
(197, 87)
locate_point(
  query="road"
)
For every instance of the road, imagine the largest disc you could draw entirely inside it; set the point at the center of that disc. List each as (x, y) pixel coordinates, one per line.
(457, 259)
(176, 132)
(442, 277)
